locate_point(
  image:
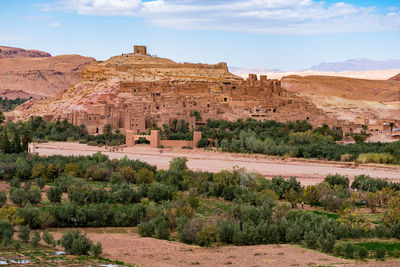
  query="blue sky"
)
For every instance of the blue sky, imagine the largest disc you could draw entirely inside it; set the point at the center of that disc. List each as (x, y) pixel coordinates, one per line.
(284, 34)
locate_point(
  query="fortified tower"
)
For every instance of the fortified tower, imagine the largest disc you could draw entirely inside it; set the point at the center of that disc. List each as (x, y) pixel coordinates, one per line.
(140, 49)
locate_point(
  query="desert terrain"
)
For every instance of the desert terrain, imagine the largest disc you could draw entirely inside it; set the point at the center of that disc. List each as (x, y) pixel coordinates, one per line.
(307, 171)
(36, 74)
(126, 245)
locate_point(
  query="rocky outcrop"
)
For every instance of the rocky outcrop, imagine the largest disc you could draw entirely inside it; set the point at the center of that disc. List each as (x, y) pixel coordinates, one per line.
(31, 73)
(14, 52)
(395, 78)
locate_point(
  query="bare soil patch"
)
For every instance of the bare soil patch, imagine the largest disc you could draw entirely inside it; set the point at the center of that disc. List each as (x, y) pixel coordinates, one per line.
(131, 248)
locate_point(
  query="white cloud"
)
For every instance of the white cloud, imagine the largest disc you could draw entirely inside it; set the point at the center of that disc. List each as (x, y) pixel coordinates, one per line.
(55, 24)
(254, 16)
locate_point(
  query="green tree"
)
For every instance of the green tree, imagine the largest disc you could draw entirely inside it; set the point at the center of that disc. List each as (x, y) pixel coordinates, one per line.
(107, 130)
(311, 195)
(196, 114)
(293, 197)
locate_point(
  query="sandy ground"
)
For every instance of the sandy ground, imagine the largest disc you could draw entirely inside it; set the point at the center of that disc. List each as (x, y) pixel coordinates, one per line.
(307, 171)
(126, 246)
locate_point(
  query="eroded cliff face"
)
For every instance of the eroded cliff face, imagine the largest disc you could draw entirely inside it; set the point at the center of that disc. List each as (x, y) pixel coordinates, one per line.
(31, 73)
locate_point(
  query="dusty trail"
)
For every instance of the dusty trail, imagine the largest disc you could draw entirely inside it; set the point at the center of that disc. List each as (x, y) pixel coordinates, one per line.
(308, 172)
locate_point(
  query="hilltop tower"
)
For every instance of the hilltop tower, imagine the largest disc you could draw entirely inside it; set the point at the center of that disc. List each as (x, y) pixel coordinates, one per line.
(140, 50)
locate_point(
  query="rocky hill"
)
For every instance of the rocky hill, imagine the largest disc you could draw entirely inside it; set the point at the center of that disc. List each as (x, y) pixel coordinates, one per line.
(134, 91)
(32, 73)
(347, 98)
(395, 78)
(14, 52)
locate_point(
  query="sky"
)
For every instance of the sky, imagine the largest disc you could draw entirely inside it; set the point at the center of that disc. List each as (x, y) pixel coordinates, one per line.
(269, 34)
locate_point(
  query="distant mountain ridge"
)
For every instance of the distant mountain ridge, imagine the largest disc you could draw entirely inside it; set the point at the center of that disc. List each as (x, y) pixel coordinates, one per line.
(14, 52)
(361, 64)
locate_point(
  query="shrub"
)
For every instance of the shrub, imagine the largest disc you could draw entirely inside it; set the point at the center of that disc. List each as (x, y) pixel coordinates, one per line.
(338, 249)
(145, 175)
(337, 179)
(226, 231)
(146, 229)
(327, 243)
(362, 253)
(311, 239)
(35, 239)
(63, 183)
(54, 194)
(349, 251)
(92, 143)
(48, 238)
(24, 233)
(6, 232)
(207, 235)
(15, 183)
(96, 249)
(34, 196)
(18, 196)
(161, 228)
(188, 229)
(376, 158)
(75, 243)
(3, 198)
(123, 193)
(40, 183)
(116, 178)
(382, 231)
(380, 253)
(95, 173)
(159, 191)
(30, 216)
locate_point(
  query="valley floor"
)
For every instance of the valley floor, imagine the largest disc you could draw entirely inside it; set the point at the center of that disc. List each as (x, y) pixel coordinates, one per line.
(307, 171)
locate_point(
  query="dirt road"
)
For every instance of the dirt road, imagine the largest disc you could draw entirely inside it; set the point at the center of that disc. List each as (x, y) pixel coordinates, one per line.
(308, 172)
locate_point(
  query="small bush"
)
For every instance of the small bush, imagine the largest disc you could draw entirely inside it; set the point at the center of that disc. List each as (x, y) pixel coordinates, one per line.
(35, 239)
(54, 194)
(146, 229)
(96, 249)
(311, 239)
(34, 196)
(92, 143)
(349, 251)
(327, 243)
(159, 192)
(75, 243)
(380, 253)
(338, 249)
(24, 233)
(207, 235)
(362, 253)
(48, 238)
(18, 196)
(40, 182)
(15, 183)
